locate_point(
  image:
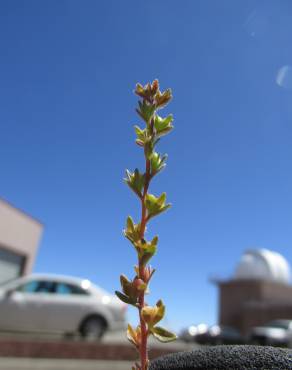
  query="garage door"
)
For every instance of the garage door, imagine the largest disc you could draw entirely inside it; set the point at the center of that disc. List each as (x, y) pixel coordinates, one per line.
(10, 265)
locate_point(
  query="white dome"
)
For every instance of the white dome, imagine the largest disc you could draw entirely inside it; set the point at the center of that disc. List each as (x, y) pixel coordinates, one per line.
(263, 264)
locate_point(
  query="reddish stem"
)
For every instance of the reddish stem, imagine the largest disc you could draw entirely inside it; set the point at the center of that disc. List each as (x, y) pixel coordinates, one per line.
(144, 331)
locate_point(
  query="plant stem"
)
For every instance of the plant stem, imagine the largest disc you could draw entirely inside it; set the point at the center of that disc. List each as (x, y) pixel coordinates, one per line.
(144, 332)
(144, 216)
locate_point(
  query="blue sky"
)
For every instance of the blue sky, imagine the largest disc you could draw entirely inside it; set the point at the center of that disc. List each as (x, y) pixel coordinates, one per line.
(68, 70)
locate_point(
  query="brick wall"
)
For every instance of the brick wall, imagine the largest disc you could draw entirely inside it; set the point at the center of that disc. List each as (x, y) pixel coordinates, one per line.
(74, 350)
(247, 303)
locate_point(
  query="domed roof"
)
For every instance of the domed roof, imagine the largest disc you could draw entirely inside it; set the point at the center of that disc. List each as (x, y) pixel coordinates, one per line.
(263, 264)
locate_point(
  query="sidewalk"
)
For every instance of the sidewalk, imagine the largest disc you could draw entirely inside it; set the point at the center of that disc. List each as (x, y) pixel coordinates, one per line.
(48, 364)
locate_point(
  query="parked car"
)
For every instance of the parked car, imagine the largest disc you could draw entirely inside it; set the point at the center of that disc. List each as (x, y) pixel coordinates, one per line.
(216, 334)
(220, 334)
(195, 333)
(52, 303)
(274, 333)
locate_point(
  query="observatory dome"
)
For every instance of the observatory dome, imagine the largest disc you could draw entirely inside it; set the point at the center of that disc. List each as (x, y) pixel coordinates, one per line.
(263, 264)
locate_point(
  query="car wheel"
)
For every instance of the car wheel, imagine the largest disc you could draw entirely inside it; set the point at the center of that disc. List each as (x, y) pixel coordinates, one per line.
(93, 328)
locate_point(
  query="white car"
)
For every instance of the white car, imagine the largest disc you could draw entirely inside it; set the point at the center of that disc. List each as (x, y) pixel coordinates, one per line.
(52, 303)
(274, 333)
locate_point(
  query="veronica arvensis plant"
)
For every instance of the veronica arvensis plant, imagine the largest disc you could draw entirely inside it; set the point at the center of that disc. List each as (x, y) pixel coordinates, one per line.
(134, 291)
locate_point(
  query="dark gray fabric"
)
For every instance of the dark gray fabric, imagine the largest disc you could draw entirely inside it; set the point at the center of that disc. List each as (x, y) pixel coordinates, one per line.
(227, 357)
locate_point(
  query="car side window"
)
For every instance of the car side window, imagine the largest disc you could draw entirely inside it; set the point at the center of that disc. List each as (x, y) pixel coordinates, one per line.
(28, 287)
(69, 289)
(38, 286)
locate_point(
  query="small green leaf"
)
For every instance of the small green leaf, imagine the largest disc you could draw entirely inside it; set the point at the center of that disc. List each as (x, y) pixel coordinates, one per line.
(160, 312)
(163, 335)
(145, 258)
(126, 285)
(163, 125)
(161, 200)
(142, 135)
(130, 224)
(131, 335)
(157, 163)
(139, 132)
(147, 250)
(162, 209)
(151, 203)
(152, 315)
(165, 131)
(155, 205)
(132, 231)
(145, 110)
(154, 241)
(139, 89)
(135, 181)
(125, 298)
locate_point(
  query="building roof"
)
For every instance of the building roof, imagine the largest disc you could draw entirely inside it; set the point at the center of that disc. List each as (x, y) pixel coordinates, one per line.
(6, 203)
(263, 264)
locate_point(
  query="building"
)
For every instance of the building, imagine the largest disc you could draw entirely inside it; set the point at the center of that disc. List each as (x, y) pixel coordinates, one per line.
(259, 291)
(19, 238)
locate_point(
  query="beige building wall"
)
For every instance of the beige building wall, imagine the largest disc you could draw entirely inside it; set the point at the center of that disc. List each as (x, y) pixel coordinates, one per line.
(19, 233)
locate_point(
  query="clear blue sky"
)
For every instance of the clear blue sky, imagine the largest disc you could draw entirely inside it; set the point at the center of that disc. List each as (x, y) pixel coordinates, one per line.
(68, 69)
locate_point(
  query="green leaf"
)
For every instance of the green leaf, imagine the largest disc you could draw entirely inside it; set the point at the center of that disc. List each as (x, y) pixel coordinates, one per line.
(157, 163)
(160, 312)
(165, 131)
(154, 241)
(135, 181)
(151, 249)
(147, 250)
(152, 315)
(124, 298)
(139, 132)
(132, 335)
(145, 110)
(162, 209)
(132, 231)
(155, 205)
(163, 125)
(151, 203)
(139, 89)
(161, 200)
(126, 285)
(130, 224)
(142, 136)
(163, 335)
